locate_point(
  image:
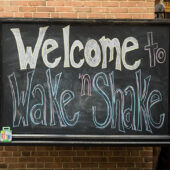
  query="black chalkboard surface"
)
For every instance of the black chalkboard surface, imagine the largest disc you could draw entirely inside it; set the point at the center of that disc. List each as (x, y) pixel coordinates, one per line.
(85, 81)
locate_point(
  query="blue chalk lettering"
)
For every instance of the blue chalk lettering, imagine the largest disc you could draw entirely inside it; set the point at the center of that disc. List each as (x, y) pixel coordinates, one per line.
(54, 105)
(129, 113)
(141, 98)
(117, 105)
(154, 97)
(38, 111)
(97, 89)
(20, 99)
(66, 97)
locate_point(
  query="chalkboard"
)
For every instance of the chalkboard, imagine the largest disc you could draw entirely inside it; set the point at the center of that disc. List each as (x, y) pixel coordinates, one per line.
(85, 81)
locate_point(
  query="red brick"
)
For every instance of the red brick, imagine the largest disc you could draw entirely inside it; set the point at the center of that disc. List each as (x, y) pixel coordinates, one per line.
(125, 165)
(96, 153)
(41, 15)
(145, 4)
(81, 159)
(26, 148)
(27, 9)
(74, 3)
(67, 153)
(82, 15)
(135, 0)
(11, 169)
(98, 159)
(28, 15)
(144, 165)
(55, 3)
(5, 154)
(19, 3)
(100, 10)
(64, 159)
(6, 14)
(128, 4)
(118, 169)
(54, 153)
(134, 159)
(1, 9)
(15, 154)
(134, 153)
(99, 148)
(36, 3)
(119, 10)
(71, 165)
(85, 169)
(54, 15)
(121, 153)
(63, 9)
(146, 153)
(27, 159)
(136, 16)
(89, 165)
(26, 154)
(21, 15)
(44, 148)
(80, 153)
(150, 10)
(68, 15)
(11, 159)
(135, 169)
(44, 153)
(45, 9)
(148, 148)
(110, 4)
(45, 159)
(45, 169)
(108, 153)
(96, 15)
(148, 159)
(4, 3)
(57, 148)
(17, 165)
(2, 159)
(11, 148)
(83, 9)
(92, 3)
(137, 10)
(3, 165)
(53, 165)
(107, 165)
(123, 16)
(77, 3)
(116, 159)
(148, 16)
(134, 148)
(35, 165)
(29, 169)
(81, 148)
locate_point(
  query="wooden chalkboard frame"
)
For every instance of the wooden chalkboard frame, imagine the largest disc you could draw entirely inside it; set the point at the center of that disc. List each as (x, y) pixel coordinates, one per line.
(87, 139)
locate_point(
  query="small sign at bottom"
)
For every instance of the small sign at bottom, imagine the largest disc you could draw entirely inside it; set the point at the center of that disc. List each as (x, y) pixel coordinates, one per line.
(6, 134)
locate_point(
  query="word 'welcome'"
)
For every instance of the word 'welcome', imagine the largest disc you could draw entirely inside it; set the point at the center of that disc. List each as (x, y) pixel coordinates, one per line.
(92, 51)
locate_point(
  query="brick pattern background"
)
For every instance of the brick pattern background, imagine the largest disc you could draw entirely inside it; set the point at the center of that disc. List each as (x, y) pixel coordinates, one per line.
(134, 9)
(76, 157)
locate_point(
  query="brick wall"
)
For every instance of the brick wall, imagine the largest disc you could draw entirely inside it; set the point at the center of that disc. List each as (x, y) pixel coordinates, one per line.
(135, 9)
(76, 157)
